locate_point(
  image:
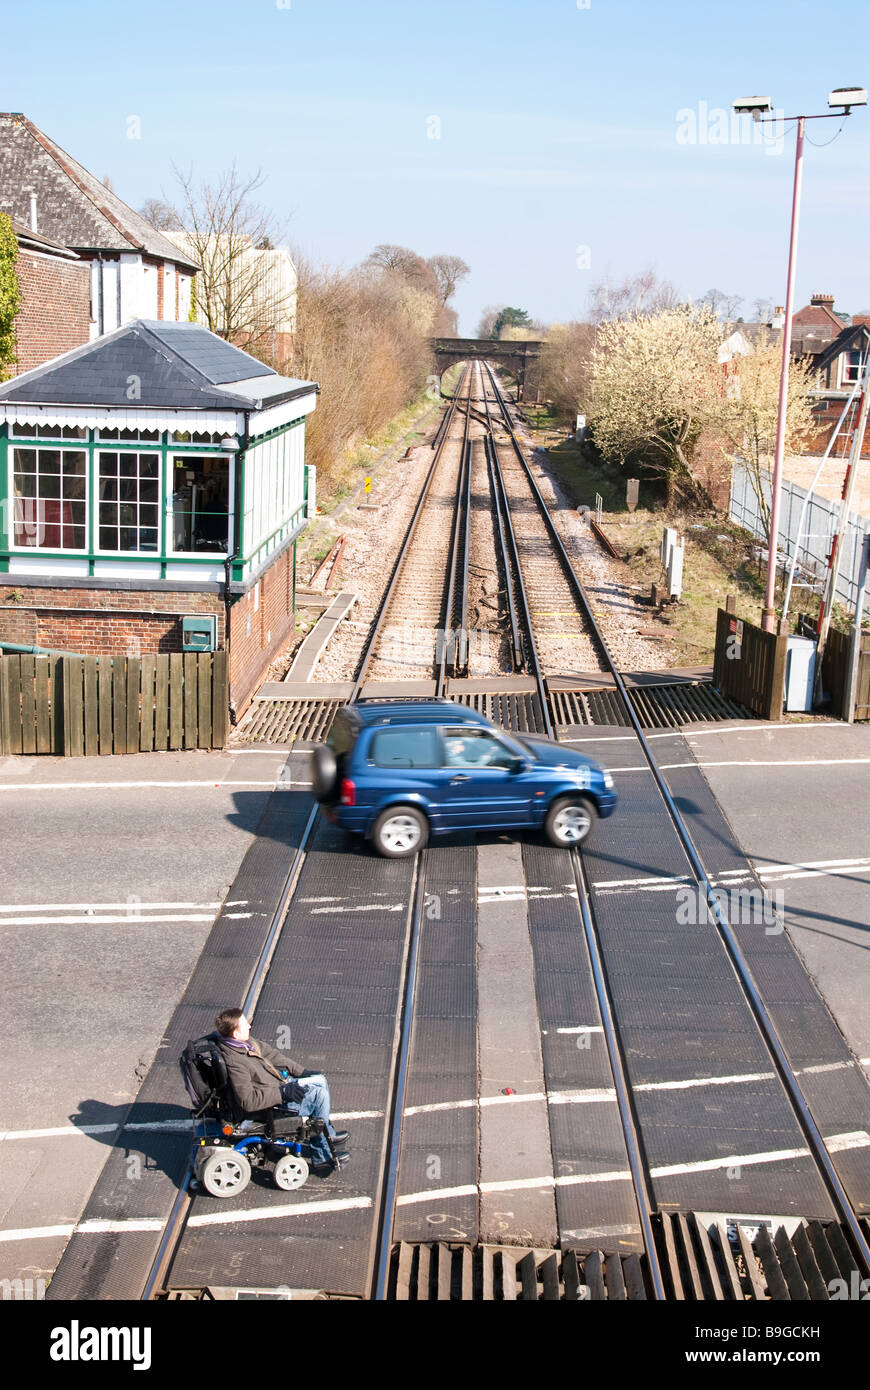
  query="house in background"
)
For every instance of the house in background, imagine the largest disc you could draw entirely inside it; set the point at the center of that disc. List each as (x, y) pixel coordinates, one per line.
(135, 271)
(154, 475)
(55, 286)
(253, 290)
(836, 345)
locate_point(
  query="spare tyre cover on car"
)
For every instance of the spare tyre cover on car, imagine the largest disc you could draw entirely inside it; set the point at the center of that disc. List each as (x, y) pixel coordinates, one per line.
(324, 772)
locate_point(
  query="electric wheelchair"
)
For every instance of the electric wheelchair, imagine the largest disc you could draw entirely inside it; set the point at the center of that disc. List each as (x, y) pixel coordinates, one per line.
(229, 1142)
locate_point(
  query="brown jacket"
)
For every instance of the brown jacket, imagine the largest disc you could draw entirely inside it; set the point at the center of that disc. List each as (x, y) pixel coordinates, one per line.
(256, 1076)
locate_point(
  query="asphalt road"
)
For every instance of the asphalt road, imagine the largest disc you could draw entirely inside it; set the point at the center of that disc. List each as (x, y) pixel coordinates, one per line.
(797, 799)
(113, 872)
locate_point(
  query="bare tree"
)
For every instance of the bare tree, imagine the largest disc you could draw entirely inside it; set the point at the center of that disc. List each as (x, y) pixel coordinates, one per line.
(763, 310)
(161, 215)
(486, 327)
(448, 270)
(643, 293)
(246, 291)
(402, 261)
(723, 305)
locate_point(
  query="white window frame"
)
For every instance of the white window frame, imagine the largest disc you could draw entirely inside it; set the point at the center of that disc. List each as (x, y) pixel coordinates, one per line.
(76, 447)
(110, 447)
(178, 451)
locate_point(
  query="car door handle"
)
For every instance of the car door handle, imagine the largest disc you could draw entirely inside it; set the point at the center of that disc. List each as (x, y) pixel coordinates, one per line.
(460, 777)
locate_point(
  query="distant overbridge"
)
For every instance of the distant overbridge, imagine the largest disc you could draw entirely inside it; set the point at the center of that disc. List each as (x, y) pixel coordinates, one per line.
(522, 359)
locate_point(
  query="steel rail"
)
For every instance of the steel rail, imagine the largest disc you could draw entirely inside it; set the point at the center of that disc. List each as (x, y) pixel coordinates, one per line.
(516, 639)
(448, 636)
(818, 1148)
(369, 650)
(462, 653)
(386, 1200)
(181, 1206)
(639, 1168)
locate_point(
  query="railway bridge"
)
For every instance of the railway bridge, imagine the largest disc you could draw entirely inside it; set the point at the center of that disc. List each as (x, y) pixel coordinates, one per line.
(522, 359)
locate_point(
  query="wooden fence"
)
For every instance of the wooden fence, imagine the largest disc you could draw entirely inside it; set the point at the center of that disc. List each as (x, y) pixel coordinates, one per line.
(82, 705)
(835, 674)
(749, 665)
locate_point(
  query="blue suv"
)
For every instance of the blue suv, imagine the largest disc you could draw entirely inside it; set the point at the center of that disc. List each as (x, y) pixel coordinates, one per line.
(400, 771)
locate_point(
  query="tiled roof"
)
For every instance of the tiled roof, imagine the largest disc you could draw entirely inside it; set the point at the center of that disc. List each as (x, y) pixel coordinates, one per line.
(171, 365)
(73, 207)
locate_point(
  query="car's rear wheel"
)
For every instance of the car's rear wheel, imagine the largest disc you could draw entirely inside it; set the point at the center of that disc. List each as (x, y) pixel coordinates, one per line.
(400, 832)
(324, 773)
(570, 821)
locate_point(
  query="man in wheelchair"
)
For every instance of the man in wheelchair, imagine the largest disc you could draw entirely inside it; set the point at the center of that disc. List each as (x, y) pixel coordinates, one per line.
(262, 1078)
(265, 1105)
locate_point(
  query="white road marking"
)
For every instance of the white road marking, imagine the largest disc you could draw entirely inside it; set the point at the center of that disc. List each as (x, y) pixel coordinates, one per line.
(37, 1233)
(736, 1080)
(100, 1227)
(823, 1067)
(61, 1132)
(122, 786)
(110, 907)
(583, 1028)
(132, 918)
(750, 727)
(361, 907)
(219, 1218)
(746, 762)
(836, 1143)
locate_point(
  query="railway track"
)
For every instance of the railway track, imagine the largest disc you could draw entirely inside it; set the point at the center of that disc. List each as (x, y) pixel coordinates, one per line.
(825, 1160)
(583, 940)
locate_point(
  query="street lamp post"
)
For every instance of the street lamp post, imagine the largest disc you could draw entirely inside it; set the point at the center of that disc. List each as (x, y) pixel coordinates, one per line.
(842, 99)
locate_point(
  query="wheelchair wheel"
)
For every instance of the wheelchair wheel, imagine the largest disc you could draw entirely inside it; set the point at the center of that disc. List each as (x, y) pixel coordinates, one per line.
(291, 1171)
(225, 1173)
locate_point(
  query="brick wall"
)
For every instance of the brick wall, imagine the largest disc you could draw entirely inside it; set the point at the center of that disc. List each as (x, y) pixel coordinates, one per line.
(260, 623)
(139, 622)
(55, 308)
(99, 621)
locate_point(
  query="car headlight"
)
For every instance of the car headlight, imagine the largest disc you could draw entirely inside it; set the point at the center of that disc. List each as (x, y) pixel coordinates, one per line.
(608, 781)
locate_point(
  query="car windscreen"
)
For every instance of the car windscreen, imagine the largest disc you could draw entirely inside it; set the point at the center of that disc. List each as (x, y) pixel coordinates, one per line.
(405, 748)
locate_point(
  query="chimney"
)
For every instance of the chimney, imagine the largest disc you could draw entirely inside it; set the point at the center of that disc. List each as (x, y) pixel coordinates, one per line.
(33, 220)
(822, 301)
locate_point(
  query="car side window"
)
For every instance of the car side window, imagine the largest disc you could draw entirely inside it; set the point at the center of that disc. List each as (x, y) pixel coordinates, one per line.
(475, 748)
(406, 748)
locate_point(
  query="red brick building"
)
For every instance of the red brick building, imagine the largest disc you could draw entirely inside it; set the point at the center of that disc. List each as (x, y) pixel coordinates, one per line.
(133, 270)
(55, 311)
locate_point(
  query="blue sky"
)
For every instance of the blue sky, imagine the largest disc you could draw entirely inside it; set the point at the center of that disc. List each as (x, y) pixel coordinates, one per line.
(561, 154)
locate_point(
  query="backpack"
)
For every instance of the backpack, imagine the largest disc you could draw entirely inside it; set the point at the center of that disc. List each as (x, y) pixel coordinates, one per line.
(204, 1072)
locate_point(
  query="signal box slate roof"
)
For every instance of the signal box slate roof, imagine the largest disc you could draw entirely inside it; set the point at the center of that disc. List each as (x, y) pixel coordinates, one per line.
(173, 365)
(73, 207)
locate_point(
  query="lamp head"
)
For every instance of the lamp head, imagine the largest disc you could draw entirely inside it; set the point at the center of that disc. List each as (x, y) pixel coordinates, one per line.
(848, 97)
(756, 107)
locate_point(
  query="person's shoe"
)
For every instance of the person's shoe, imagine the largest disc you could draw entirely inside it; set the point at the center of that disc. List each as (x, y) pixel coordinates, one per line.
(341, 1136)
(323, 1170)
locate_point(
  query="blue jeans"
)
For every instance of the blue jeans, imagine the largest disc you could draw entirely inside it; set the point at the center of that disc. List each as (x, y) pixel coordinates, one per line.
(317, 1104)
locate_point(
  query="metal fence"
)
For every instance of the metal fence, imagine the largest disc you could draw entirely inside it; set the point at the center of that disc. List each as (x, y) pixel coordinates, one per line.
(817, 533)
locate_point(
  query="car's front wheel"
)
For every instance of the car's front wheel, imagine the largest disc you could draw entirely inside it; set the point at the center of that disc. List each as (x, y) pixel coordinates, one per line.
(570, 821)
(400, 832)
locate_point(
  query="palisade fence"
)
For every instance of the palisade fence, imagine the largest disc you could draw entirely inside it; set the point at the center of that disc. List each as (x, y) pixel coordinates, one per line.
(749, 665)
(817, 533)
(76, 706)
